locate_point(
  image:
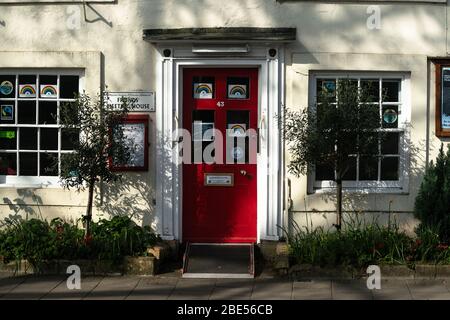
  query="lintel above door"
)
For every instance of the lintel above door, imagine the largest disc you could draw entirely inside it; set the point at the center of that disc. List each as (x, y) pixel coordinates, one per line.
(219, 35)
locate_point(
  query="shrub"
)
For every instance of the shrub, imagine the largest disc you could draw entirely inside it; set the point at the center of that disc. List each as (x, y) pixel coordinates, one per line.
(360, 245)
(432, 205)
(120, 236)
(428, 247)
(39, 240)
(355, 245)
(30, 239)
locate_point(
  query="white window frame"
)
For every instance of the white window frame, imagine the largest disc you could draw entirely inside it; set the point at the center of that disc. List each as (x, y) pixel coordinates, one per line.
(37, 181)
(399, 186)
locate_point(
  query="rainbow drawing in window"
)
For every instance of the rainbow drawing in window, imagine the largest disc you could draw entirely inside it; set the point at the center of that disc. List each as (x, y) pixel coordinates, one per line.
(237, 91)
(27, 91)
(236, 129)
(48, 91)
(203, 91)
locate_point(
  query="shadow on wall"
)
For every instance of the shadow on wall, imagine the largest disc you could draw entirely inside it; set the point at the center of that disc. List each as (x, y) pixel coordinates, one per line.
(131, 196)
(363, 207)
(20, 207)
(134, 194)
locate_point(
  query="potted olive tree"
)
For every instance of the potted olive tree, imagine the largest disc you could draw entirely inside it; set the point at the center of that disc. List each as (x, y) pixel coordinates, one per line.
(96, 138)
(343, 123)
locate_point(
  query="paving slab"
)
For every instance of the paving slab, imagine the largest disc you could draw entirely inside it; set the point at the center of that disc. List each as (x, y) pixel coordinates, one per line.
(351, 290)
(223, 293)
(153, 289)
(193, 289)
(9, 283)
(233, 289)
(392, 289)
(227, 283)
(271, 289)
(312, 290)
(6, 274)
(113, 288)
(429, 289)
(63, 292)
(33, 288)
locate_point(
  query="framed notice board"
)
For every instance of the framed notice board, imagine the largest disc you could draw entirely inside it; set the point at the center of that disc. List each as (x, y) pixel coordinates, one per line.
(442, 115)
(135, 135)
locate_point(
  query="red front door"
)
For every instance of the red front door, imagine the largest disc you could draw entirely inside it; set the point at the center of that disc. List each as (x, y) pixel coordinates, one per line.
(220, 111)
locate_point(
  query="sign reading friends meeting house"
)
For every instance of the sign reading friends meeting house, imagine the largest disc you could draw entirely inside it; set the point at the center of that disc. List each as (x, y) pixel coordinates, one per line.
(137, 101)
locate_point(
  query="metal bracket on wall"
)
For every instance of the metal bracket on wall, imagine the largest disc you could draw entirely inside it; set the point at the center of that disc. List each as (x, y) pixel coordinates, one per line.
(100, 17)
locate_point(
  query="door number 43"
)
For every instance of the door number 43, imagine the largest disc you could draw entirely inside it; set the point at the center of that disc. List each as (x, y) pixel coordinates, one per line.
(221, 104)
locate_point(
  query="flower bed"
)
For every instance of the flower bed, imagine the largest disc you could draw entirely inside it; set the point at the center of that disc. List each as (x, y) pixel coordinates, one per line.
(358, 246)
(46, 244)
(147, 265)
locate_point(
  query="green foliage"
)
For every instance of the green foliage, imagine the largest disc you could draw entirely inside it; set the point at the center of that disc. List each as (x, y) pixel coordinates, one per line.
(39, 240)
(333, 130)
(343, 124)
(91, 125)
(36, 240)
(426, 246)
(98, 139)
(360, 245)
(432, 205)
(119, 237)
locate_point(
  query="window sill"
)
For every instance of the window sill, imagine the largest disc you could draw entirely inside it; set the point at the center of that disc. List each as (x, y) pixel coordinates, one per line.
(30, 182)
(367, 191)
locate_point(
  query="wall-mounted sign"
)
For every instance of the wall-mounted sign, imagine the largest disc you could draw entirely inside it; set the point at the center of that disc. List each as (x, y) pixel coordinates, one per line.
(7, 112)
(442, 96)
(27, 91)
(219, 179)
(137, 101)
(445, 105)
(135, 135)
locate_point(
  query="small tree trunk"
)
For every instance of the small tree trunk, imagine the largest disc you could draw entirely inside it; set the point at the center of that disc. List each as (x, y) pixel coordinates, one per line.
(339, 204)
(88, 217)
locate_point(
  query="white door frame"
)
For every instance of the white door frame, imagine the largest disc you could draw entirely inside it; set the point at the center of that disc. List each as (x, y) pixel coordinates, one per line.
(169, 116)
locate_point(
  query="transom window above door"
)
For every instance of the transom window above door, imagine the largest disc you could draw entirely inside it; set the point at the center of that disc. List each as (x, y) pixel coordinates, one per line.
(387, 166)
(31, 137)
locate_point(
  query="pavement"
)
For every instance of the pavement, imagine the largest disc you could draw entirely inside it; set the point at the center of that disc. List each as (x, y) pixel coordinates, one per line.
(176, 288)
